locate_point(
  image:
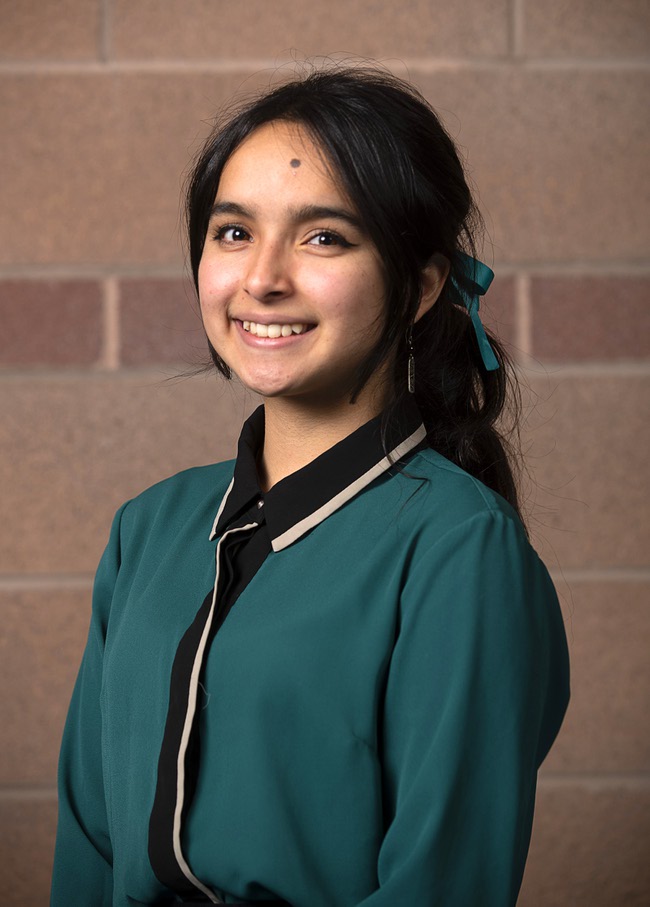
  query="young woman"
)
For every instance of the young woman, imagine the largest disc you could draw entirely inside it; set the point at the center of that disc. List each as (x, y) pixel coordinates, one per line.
(325, 674)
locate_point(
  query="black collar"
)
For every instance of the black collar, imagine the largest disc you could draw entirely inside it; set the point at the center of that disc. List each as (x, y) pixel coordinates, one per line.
(306, 497)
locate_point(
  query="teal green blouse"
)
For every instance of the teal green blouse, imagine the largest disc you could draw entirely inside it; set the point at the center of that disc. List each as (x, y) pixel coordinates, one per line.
(373, 710)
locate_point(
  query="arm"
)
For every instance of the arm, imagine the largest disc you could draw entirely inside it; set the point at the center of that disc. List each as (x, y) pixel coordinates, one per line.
(477, 688)
(83, 873)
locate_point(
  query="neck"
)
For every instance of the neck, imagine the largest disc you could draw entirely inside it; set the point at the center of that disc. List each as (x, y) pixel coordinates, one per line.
(296, 433)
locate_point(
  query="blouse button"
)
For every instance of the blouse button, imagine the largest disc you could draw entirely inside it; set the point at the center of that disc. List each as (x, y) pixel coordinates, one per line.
(260, 504)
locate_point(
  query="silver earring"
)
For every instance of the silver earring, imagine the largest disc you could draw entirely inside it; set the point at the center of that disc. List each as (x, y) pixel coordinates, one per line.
(411, 361)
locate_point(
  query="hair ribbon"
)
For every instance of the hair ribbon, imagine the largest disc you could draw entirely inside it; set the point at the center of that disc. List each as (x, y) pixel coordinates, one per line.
(478, 278)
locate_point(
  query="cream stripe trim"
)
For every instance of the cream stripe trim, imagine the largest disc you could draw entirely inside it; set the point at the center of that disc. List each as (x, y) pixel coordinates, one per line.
(221, 507)
(187, 727)
(291, 535)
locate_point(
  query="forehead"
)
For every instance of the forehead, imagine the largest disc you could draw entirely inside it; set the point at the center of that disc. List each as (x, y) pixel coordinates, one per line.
(279, 158)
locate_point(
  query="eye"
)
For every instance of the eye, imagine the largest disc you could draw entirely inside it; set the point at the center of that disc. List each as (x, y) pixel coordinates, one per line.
(232, 233)
(328, 238)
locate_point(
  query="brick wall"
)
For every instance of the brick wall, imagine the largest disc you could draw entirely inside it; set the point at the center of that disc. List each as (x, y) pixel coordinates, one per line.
(102, 104)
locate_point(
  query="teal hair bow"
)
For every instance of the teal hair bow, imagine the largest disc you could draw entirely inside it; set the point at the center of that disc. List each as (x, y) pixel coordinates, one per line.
(478, 278)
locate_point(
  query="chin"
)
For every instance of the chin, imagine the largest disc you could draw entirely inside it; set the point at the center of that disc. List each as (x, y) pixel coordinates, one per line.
(266, 387)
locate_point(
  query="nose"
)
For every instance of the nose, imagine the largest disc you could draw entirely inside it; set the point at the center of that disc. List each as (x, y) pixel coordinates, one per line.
(268, 276)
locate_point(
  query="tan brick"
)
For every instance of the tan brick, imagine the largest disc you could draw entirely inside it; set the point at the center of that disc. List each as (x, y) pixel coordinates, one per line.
(580, 318)
(72, 450)
(65, 30)
(608, 630)
(102, 159)
(160, 322)
(258, 29)
(50, 322)
(586, 444)
(41, 643)
(579, 28)
(559, 159)
(27, 833)
(589, 847)
(62, 162)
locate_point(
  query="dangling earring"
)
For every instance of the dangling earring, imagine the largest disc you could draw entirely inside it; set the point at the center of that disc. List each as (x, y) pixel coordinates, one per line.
(411, 361)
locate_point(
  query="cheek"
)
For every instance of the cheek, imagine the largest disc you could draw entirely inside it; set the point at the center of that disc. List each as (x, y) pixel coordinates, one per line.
(354, 291)
(204, 283)
(213, 286)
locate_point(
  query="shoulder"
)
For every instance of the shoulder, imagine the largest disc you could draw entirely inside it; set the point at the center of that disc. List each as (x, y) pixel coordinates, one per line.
(190, 483)
(442, 498)
(193, 494)
(473, 549)
(481, 602)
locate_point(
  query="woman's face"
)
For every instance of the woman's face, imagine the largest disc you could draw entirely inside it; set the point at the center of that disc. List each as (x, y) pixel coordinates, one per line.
(291, 287)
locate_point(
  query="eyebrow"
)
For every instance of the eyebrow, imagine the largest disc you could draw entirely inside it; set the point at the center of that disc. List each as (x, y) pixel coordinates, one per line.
(298, 215)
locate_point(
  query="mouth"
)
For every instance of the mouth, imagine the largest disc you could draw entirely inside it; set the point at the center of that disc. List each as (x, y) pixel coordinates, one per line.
(275, 329)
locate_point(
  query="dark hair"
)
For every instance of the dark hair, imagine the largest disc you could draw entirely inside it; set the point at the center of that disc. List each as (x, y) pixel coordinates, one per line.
(400, 169)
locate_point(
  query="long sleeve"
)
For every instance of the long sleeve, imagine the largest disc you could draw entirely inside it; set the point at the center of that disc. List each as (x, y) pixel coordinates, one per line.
(477, 688)
(83, 858)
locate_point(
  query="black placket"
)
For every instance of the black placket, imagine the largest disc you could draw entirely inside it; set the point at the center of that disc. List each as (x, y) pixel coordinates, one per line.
(179, 761)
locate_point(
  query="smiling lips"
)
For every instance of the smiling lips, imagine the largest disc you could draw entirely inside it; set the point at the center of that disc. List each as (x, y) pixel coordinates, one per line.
(275, 330)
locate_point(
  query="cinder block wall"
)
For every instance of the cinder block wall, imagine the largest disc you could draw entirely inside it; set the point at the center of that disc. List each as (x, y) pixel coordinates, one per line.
(102, 104)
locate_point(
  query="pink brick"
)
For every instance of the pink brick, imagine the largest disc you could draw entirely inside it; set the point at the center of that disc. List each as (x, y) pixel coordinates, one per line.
(581, 28)
(586, 444)
(73, 449)
(581, 318)
(65, 30)
(44, 633)
(608, 630)
(160, 323)
(49, 322)
(102, 157)
(589, 846)
(559, 158)
(27, 832)
(262, 30)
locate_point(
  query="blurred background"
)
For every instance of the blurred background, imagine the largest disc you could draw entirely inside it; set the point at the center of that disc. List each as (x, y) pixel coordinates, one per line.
(102, 105)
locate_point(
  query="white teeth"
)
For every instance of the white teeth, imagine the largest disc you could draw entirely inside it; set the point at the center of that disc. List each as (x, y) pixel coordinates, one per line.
(274, 330)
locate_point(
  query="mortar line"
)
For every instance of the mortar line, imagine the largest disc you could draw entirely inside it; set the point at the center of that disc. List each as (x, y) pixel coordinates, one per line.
(84, 271)
(594, 780)
(104, 31)
(150, 375)
(601, 574)
(518, 29)
(46, 792)
(111, 351)
(596, 368)
(16, 582)
(510, 37)
(247, 68)
(524, 309)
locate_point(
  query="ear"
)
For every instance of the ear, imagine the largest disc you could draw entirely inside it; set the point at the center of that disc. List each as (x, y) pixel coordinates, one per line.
(433, 280)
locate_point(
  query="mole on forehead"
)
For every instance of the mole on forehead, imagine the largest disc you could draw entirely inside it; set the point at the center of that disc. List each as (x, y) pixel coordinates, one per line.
(294, 162)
